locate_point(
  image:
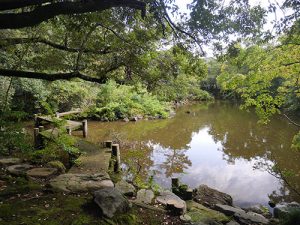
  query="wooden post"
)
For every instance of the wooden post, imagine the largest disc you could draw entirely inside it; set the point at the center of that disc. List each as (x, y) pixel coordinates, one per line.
(189, 194)
(116, 155)
(36, 138)
(69, 130)
(84, 128)
(36, 120)
(175, 182)
(41, 128)
(108, 144)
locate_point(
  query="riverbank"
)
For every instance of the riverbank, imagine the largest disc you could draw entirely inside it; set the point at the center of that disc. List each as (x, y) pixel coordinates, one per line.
(32, 200)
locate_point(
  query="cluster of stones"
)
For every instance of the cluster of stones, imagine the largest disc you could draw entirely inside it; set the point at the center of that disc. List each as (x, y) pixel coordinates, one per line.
(16, 167)
(202, 206)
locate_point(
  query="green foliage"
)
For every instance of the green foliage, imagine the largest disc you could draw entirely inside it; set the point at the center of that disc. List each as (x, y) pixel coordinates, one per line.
(291, 218)
(13, 138)
(296, 142)
(124, 101)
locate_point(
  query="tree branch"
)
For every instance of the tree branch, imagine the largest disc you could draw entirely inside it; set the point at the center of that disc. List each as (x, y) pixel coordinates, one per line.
(50, 77)
(48, 11)
(14, 41)
(292, 63)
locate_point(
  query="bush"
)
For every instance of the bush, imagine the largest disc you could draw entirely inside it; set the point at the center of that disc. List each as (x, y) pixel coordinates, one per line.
(124, 101)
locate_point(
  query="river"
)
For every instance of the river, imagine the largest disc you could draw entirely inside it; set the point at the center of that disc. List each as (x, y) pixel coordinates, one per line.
(215, 144)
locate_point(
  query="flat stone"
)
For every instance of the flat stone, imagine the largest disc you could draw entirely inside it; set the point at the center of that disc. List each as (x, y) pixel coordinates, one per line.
(228, 210)
(125, 188)
(19, 169)
(250, 218)
(9, 161)
(111, 201)
(283, 209)
(172, 202)
(201, 214)
(81, 182)
(41, 172)
(210, 197)
(145, 196)
(260, 210)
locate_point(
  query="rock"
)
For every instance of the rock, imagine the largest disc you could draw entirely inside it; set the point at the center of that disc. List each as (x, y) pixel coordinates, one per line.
(284, 209)
(145, 196)
(41, 172)
(260, 210)
(185, 218)
(19, 169)
(9, 161)
(228, 210)
(81, 182)
(210, 197)
(232, 222)
(58, 165)
(172, 202)
(111, 201)
(250, 218)
(125, 188)
(134, 118)
(126, 119)
(202, 214)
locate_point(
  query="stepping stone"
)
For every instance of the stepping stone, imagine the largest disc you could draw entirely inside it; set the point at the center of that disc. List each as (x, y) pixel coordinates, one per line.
(145, 196)
(19, 170)
(41, 172)
(125, 188)
(172, 202)
(250, 218)
(9, 161)
(76, 183)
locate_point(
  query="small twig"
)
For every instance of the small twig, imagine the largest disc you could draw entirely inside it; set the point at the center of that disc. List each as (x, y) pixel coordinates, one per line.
(289, 119)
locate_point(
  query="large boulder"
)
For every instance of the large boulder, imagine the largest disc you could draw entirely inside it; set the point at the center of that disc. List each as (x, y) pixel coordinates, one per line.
(172, 202)
(202, 215)
(81, 182)
(19, 169)
(210, 197)
(284, 209)
(145, 196)
(125, 188)
(111, 201)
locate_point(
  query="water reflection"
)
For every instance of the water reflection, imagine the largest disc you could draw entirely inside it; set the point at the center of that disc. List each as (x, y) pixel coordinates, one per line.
(218, 145)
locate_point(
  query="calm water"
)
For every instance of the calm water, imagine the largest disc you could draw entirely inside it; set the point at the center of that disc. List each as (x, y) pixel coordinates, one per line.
(216, 144)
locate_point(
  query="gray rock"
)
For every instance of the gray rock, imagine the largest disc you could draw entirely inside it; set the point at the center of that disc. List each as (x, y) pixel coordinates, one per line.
(260, 210)
(41, 172)
(81, 182)
(9, 161)
(228, 210)
(283, 209)
(126, 119)
(111, 201)
(210, 197)
(19, 169)
(125, 188)
(145, 196)
(250, 218)
(172, 202)
(232, 222)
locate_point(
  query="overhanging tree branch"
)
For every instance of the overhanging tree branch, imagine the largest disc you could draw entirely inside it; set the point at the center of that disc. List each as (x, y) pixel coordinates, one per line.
(48, 11)
(15, 4)
(51, 76)
(14, 41)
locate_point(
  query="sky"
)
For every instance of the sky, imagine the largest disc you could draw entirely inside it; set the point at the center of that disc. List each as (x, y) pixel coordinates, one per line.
(182, 4)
